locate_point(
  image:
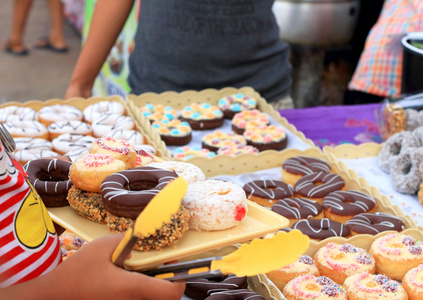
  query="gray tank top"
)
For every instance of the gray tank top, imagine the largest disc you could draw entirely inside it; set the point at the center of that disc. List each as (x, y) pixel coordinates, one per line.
(198, 44)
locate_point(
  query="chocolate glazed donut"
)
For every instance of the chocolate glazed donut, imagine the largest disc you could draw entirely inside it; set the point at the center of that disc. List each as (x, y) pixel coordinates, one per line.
(201, 288)
(50, 178)
(374, 223)
(126, 193)
(297, 208)
(268, 190)
(235, 295)
(321, 229)
(307, 186)
(304, 165)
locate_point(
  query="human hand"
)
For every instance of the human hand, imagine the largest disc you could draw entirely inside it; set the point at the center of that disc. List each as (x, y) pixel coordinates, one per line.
(78, 91)
(90, 274)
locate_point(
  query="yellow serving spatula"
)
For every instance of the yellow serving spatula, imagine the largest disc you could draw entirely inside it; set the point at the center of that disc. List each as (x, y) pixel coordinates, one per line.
(260, 256)
(158, 211)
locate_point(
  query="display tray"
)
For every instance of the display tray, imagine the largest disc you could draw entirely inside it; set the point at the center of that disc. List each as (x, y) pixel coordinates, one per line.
(178, 101)
(258, 222)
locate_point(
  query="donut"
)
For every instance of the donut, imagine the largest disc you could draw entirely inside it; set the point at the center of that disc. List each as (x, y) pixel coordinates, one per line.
(374, 223)
(59, 112)
(412, 118)
(70, 243)
(248, 118)
(14, 113)
(267, 192)
(87, 204)
(27, 128)
(307, 287)
(296, 167)
(305, 265)
(186, 152)
(118, 149)
(26, 143)
(24, 156)
(266, 137)
(321, 229)
(189, 172)
(232, 104)
(76, 153)
(340, 261)
(240, 294)
(103, 125)
(78, 127)
(405, 171)
(237, 150)
(131, 136)
(395, 254)
(217, 139)
(215, 205)
(147, 148)
(342, 206)
(94, 111)
(174, 132)
(316, 186)
(89, 171)
(201, 288)
(413, 283)
(50, 178)
(158, 112)
(127, 193)
(67, 142)
(394, 146)
(365, 286)
(298, 209)
(202, 116)
(418, 132)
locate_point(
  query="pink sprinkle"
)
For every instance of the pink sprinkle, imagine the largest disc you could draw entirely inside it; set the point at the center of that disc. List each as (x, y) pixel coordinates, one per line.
(97, 160)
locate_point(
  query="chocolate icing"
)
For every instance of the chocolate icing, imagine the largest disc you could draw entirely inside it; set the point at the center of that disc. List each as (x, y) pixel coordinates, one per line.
(235, 295)
(126, 193)
(306, 185)
(269, 189)
(201, 288)
(348, 203)
(297, 208)
(374, 223)
(304, 165)
(321, 229)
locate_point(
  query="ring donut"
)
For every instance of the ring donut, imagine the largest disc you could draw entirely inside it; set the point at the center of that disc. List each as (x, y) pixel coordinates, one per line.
(94, 111)
(298, 209)
(374, 223)
(27, 128)
(321, 229)
(59, 112)
(313, 287)
(267, 192)
(296, 167)
(405, 172)
(201, 288)
(107, 123)
(14, 113)
(50, 178)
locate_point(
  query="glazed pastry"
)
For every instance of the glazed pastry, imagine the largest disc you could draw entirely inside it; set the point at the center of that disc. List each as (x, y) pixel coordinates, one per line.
(107, 123)
(232, 104)
(296, 209)
(214, 141)
(202, 116)
(413, 283)
(395, 254)
(190, 172)
(27, 128)
(187, 152)
(374, 223)
(26, 143)
(365, 286)
(118, 149)
(241, 294)
(24, 156)
(131, 136)
(267, 192)
(321, 229)
(69, 141)
(340, 261)
(174, 132)
(94, 111)
(199, 289)
(77, 127)
(14, 113)
(248, 118)
(296, 167)
(266, 137)
(59, 112)
(308, 287)
(342, 206)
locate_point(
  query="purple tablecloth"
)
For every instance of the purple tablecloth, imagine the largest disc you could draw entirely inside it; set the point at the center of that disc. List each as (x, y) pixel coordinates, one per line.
(335, 125)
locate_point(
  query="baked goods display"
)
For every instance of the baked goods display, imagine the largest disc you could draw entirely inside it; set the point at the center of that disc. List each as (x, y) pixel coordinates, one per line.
(70, 141)
(232, 104)
(321, 229)
(296, 167)
(60, 127)
(202, 116)
(296, 209)
(316, 186)
(110, 122)
(59, 112)
(94, 111)
(27, 128)
(200, 289)
(173, 132)
(218, 139)
(248, 118)
(118, 149)
(374, 223)
(158, 112)
(266, 137)
(267, 192)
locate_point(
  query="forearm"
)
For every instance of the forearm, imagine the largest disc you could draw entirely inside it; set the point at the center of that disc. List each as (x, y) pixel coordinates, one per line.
(107, 22)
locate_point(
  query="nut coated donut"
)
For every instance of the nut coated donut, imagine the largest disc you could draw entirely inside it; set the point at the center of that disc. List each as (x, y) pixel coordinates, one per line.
(405, 170)
(340, 261)
(394, 146)
(308, 287)
(374, 223)
(321, 229)
(342, 206)
(365, 286)
(201, 288)
(50, 178)
(215, 205)
(296, 167)
(190, 172)
(316, 186)
(298, 209)
(267, 192)
(128, 192)
(395, 254)
(413, 283)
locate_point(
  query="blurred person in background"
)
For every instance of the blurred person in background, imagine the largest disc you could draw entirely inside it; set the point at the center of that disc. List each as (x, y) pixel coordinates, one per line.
(55, 41)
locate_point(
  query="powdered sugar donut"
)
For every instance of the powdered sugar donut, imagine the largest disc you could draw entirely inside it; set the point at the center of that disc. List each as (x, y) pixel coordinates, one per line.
(405, 170)
(132, 136)
(33, 129)
(190, 172)
(25, 143)
(215, 205)
(59, 112)
(107, 123)
(94, 111)
(16, 113)
(78, 127)
(67, 142)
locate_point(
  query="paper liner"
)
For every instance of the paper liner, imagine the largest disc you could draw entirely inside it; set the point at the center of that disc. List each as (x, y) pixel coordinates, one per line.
(212, 96)
(82, 103)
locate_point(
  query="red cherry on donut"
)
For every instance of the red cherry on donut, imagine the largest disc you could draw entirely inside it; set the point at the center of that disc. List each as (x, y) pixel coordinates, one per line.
(240, 212)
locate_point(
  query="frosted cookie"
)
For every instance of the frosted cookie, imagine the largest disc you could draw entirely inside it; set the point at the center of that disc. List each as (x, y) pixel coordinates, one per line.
(187, 152)
(248, 118)
(202, 116)
(174, 132)
(217, 139)
(232, 104)
(158, 112)
(266, 137)
(237, 150)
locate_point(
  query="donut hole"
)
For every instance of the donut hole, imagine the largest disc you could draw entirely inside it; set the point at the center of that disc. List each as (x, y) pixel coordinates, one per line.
(406, 168)
(141, 185)
(395, 149)
(54, 175)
